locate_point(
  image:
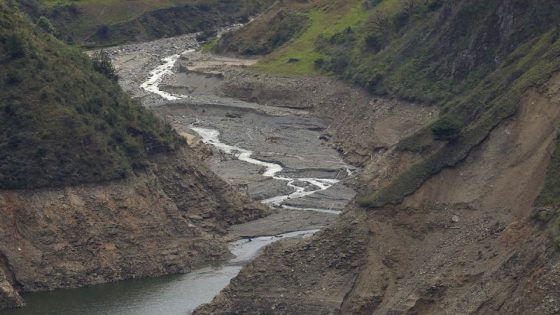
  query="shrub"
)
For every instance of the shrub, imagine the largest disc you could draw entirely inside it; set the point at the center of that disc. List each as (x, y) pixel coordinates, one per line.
(103, 33)
(45, 24)
(206, 35)
(102, 63)
(447, 128)
(368, 4)
(319, 63)
(13, 77)
(16, 46)
(372, 43)
(339, 63)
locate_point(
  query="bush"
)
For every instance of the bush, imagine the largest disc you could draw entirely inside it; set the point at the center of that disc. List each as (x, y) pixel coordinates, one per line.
(103, 32)
(368, 4)
(16, 47)
(339, 63)
(447, 129)
(102, 63)
(319, 63)
(13, 77)
(45, 24)
(372, 43)
(206, 35)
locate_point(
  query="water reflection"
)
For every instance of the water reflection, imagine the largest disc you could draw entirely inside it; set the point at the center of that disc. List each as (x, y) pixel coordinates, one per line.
(174, 295)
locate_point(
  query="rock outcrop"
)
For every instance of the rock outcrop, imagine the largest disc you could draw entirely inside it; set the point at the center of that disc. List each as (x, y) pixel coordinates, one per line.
(9, 297)
(164, 219)
(466, 242)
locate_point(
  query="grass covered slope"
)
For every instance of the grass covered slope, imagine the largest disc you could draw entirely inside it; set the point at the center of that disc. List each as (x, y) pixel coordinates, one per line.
(111, 22)
(295, 53)
(265, 34)
(474, 59)
(62, 122)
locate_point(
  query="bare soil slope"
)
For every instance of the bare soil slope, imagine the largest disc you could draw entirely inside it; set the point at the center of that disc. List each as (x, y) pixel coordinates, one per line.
(162, 220)
(464, 243)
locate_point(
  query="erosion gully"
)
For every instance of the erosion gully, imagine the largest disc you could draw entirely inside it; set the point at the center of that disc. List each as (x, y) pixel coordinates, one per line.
(274, 154)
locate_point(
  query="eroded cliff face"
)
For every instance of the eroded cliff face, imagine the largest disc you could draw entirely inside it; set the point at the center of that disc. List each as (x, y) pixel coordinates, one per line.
(162, 220)
(464, 243)
(359, 123)
(9, 297)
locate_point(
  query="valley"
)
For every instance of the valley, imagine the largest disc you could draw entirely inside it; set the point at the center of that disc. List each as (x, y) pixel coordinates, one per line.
(277, 158)
(280, 157)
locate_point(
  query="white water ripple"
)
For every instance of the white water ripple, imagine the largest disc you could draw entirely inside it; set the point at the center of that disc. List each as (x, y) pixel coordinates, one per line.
(212, 137)
(156, 77)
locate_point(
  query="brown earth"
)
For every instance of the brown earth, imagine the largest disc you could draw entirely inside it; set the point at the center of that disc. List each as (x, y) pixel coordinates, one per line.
(361, 125)
(9, 297)
(464, 243)
(169, 218)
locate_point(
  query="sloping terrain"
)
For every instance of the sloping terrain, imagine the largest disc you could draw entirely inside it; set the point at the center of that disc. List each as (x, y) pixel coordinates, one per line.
(457, 218)
(93, 187)
(465, 242)
(112, 22)
(162, 220)
(62, 122)
(471, 59)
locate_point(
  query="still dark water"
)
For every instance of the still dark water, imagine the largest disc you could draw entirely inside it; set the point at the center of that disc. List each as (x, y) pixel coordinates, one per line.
(171, 295)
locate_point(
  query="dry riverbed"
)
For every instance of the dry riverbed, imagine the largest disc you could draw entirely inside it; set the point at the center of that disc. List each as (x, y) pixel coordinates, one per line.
(274, 154)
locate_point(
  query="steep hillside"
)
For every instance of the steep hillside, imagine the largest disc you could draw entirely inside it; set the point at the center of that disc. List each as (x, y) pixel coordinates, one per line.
(473, 59)
(456, 218)
(95, 23)
(93, 187)
(62, 122)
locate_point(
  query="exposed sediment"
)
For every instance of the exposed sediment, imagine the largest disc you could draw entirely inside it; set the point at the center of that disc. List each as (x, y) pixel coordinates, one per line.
(465, 242)
(162, 220)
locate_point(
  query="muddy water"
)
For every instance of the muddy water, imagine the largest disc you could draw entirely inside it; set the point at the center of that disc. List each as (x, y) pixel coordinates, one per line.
(173, 295)
(274, 154)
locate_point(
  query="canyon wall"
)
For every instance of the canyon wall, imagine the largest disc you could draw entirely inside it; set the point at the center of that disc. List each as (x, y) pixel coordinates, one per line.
(165, 219)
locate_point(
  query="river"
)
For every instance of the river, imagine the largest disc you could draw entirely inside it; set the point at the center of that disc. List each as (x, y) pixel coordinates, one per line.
(274, 153)
(170, 295)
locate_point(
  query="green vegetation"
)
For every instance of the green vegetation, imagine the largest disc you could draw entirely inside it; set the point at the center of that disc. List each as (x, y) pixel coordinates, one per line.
(102, 64)
(282, 26)
(472, 58)
(447, 128)
(297, 25)
(109, 22)
(482, 109)
(61, 121)
(45, 24)
(325, 19)
(550, 194)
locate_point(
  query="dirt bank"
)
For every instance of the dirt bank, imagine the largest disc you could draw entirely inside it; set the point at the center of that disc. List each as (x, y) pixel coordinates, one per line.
(464, 243)
(169, 218)
(359, 124)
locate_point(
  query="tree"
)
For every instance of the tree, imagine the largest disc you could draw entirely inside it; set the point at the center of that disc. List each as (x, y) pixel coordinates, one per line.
(16, 46)
(102, 64)
(379, 21)
(447, 128)
(45, 24)
(373, 43)
(408, 6)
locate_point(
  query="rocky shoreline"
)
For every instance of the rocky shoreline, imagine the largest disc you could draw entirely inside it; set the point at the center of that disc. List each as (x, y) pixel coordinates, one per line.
(167, 219)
